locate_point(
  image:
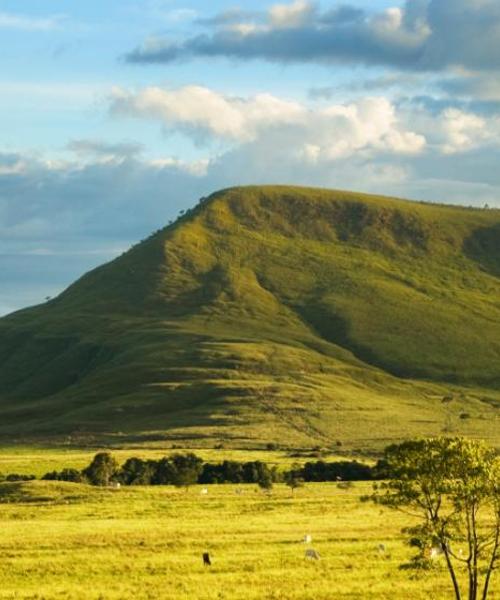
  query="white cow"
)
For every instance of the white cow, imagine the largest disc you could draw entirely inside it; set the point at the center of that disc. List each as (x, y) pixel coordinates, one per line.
(204, 491)
(307, 539)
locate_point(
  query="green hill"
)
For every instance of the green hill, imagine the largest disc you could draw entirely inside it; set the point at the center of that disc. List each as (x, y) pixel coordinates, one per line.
(283, 314)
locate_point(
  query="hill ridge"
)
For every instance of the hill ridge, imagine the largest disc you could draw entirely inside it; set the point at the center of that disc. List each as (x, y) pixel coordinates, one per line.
(316, 292)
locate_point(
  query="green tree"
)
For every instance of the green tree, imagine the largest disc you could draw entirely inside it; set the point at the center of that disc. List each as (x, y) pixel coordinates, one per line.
(164, 472)
(293, 478)
(101, 470)
(265, 479)
(453, 486)
(186, 469)
(136, 471)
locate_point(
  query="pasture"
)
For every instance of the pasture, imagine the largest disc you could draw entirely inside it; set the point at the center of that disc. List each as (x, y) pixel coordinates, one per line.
(61, 540)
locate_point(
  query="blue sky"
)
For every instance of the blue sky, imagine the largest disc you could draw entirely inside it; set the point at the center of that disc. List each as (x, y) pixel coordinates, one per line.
(116, 115)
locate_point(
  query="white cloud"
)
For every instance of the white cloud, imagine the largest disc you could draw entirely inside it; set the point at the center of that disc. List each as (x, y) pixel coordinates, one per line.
(334, 132)
(367, 123)
(197, 168)
(291, 15)
(23, 22)
(203, 110)
(462, 131)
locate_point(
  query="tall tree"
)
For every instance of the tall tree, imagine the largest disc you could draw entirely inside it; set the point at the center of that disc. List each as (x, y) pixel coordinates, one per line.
(102, 468)
(452, 486)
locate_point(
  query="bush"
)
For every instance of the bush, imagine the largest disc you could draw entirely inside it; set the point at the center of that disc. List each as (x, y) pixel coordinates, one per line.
(17, 477)
(72, 475)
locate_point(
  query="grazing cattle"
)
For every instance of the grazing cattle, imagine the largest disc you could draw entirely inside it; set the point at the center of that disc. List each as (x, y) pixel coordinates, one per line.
(435, 553)
(307, 539)
(206, 560)
(204, 491)
(311, 554)
(381, 548)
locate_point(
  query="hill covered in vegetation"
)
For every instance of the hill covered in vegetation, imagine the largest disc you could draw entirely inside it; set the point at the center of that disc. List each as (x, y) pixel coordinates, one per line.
(284, 314)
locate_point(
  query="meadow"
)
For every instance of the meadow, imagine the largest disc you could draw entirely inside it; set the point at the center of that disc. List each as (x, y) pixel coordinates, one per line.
(62, 540)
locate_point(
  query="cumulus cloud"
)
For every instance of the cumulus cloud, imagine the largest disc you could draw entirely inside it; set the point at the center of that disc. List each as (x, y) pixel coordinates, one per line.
(453, 129)
(462, 131)
(327, 133)
(422, 35)
(296, 14)
(200, 109)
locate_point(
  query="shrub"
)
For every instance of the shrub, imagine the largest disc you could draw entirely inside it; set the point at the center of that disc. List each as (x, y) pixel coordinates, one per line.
(72, 475)
(17, 477)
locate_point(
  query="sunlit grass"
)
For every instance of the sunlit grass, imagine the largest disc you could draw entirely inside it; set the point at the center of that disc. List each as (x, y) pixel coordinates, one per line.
(147, 543)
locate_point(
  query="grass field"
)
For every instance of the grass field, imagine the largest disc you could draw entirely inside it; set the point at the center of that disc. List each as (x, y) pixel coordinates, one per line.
(147, 543)
(76, 542)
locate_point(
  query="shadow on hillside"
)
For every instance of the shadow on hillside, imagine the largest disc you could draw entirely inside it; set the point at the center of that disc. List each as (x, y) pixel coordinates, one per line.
(483, 247)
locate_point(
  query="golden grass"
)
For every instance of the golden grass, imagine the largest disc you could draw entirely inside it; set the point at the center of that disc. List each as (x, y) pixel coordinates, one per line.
(137, 543)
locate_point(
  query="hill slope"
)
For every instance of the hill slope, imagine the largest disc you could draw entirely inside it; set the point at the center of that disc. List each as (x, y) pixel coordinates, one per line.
(270, 313)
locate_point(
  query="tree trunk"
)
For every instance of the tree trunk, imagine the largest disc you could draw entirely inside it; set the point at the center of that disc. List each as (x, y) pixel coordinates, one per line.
(451, 571)
(491, 566)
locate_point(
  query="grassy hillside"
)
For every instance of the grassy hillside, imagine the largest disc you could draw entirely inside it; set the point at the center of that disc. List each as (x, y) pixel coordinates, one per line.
(271, 313)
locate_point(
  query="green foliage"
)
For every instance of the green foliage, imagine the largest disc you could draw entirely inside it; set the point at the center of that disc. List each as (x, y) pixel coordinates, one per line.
(67, 474)
(17, 477)
(183, 470)
(294, 478)
(339, 470)
(101, 470)
(186, 469)
(137, 471)
(453, 486)
(270, 313)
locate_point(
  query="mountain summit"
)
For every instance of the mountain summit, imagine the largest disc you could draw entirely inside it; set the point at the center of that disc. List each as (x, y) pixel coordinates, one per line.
(271, 314)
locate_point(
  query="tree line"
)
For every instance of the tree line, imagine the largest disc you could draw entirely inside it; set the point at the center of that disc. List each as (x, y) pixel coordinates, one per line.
(187, 469)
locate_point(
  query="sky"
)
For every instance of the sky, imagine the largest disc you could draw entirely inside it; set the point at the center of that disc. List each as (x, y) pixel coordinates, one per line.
(116, 115)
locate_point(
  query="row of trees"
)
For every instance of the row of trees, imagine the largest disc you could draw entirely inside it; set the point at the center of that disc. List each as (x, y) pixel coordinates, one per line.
(181, 470)
(186, 469)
